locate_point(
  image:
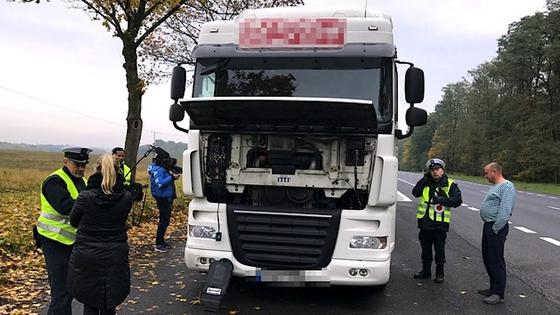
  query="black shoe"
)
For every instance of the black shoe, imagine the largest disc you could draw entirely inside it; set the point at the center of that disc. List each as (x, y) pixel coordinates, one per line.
(439, 274)
(493, 299)
(162, 248)
(485, 292)
(423, 274)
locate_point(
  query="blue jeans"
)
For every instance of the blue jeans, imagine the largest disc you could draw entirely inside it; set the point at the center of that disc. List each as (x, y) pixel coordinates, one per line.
(57, 256)
(164, 205)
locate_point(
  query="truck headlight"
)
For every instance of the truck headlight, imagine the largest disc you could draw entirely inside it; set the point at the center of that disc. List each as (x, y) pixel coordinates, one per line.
(202, 231)
(368, 242)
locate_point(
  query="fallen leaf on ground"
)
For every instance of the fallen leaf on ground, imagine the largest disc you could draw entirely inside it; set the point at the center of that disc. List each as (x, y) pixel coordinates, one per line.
(195, 302)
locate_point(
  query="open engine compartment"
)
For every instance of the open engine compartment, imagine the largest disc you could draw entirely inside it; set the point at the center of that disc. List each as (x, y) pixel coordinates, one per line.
(276, 170)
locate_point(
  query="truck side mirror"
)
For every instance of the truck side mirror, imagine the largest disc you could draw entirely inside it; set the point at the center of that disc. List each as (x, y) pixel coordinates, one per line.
(416, 117)
(178, 82)
(176, 113)
(414, 85)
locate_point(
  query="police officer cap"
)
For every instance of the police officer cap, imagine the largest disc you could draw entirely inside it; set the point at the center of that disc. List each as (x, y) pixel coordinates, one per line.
(77, 154)
(435, 162)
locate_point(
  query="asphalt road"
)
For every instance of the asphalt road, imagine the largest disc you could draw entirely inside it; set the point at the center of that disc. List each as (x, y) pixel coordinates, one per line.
(162, 285)
(533, 243)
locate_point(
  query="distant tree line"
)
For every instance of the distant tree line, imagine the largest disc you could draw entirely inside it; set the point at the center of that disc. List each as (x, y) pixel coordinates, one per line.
(507, 110)
(175, 149)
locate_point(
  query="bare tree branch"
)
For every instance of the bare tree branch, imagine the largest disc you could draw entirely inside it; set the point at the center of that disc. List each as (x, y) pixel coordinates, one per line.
(158, 22)
(111, 18)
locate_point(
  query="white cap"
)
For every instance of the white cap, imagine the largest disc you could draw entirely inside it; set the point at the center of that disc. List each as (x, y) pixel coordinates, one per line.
(433, 162)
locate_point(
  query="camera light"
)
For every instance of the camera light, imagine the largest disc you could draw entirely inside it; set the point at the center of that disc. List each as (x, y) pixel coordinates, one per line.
(368, 242)
(202, 231)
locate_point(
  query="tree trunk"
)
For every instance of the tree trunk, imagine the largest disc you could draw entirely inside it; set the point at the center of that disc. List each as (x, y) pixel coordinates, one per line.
(135, 90)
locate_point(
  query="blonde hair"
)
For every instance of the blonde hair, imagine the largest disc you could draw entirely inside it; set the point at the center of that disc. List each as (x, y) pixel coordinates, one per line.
(106, 166)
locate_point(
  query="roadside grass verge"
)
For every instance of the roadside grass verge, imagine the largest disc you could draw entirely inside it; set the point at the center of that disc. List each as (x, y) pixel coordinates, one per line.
(551, 189)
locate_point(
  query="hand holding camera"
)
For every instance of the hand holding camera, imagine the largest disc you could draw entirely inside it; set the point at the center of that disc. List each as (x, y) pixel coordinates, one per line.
(439, 195)
(164, 159)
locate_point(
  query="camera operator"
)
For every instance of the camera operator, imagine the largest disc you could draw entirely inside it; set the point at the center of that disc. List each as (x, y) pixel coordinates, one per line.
(163, 172)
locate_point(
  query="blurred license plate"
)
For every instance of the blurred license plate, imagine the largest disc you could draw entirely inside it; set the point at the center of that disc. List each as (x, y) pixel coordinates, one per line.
(305, 32)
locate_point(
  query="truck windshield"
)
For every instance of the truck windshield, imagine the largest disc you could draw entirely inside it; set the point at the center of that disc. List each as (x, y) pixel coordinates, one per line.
(334, 78)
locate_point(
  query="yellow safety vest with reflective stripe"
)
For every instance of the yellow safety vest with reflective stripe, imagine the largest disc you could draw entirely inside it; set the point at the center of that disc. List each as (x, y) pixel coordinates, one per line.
(127, 174)
(53, 225)
(443, 215)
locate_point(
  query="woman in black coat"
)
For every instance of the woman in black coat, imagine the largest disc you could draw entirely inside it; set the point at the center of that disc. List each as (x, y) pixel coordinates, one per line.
(98, 272)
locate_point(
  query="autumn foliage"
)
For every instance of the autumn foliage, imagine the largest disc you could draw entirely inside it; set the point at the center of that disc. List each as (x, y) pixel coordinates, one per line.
(24, 285)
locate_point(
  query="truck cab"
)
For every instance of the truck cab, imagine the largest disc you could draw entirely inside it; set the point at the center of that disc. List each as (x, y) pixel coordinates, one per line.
(291, 161)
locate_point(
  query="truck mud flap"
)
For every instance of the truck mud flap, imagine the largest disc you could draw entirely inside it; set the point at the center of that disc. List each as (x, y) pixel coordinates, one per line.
(216, 283)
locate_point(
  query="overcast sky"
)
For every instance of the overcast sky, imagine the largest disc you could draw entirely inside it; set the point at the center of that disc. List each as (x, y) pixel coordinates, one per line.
(62, 81)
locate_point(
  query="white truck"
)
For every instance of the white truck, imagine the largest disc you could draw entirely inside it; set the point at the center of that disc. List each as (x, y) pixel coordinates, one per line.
(292, 145)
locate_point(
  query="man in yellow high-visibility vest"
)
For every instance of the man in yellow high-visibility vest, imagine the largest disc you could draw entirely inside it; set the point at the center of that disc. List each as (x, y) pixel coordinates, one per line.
(55, 234)
(119, 155)
(438, 194)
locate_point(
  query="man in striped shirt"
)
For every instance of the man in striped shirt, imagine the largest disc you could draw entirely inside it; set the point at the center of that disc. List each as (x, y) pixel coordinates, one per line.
(495, 211)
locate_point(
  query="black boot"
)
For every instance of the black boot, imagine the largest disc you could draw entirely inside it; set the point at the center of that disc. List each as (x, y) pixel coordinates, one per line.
(439, 274)
(426, 272)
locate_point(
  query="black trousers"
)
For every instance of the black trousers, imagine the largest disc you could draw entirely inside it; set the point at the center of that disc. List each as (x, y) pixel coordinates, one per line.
(57, 256)
(98, 311)
(435, 239)
(164, 205)
(493, 257)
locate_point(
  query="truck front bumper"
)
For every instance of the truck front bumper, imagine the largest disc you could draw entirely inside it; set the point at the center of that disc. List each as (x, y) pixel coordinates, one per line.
(338, 272)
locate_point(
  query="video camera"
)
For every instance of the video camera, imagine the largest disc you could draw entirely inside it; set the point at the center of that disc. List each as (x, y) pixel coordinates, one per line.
(164, 159)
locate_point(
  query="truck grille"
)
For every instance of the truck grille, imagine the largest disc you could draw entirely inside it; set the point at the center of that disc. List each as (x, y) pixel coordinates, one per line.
(283, 238)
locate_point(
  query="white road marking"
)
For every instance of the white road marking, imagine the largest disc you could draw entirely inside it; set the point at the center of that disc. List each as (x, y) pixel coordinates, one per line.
(540, 195)
(404, 181)
(509, 222)
(402, 197)
(464, 205)
(524, 229)
(474, 209)
(550, 240)
(555, 208)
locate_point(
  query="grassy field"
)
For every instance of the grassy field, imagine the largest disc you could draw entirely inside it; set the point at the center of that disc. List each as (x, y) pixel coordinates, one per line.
(21, 174)
(23, 281)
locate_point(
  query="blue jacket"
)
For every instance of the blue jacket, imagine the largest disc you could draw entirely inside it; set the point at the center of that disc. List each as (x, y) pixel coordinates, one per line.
(161, 182)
